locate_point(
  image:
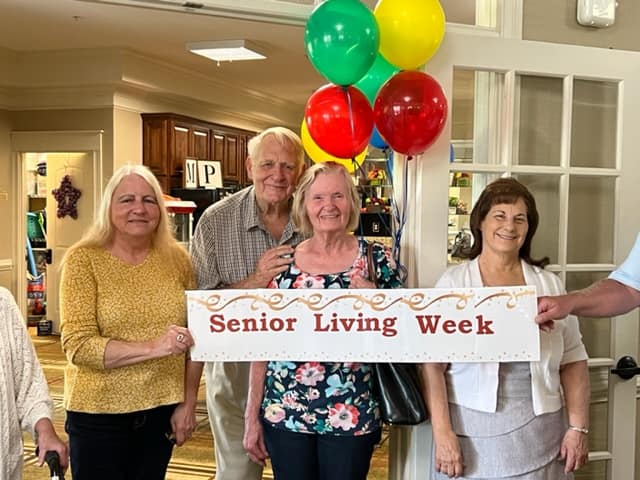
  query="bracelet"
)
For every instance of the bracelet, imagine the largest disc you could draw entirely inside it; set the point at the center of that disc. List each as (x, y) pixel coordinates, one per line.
(579, 429)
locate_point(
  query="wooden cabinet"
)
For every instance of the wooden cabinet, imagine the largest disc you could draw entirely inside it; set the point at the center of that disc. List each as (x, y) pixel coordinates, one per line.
(232, 166)
(179, 148)
(230, 149)
(200, 137)
(168, 139)
(154, 145)
(243, 153)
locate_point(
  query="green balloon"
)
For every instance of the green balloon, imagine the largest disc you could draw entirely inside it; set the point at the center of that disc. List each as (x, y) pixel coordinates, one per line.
(380, 72)
(342, 40)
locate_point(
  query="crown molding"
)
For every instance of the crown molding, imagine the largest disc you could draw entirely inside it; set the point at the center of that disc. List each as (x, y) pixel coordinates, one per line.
(131, 99)
(128, 98)
(96, 78)
(265, 11)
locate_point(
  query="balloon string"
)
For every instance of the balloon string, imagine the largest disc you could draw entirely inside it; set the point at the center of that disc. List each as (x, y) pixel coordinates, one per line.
(351, 123)
(399, 215)
(399, 212)
(388, 156)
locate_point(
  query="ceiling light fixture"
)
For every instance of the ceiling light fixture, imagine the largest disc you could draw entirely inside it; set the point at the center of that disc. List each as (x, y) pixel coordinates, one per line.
(226, 50)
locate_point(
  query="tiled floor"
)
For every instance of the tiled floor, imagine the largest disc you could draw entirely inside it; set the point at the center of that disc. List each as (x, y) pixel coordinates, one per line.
(194, 460)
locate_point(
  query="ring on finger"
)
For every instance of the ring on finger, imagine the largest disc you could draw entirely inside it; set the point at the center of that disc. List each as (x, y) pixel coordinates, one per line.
(179, 337)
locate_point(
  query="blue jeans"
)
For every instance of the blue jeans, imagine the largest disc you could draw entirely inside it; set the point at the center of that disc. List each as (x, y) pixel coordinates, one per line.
(124, 446)
(296, 456)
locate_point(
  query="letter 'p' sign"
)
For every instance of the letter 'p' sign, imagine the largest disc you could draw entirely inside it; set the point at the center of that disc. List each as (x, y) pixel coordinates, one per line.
(209, 174)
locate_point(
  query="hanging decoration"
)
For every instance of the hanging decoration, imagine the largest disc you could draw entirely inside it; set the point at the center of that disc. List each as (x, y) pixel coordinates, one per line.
(380, 72)
(410, 31)
(67, 197)
(340, 120)
(380, 94)
(341, 40)
(318, 155)
(410, 112)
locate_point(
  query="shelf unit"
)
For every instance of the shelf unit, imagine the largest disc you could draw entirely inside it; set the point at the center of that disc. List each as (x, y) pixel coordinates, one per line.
(36, 261)
(36, 288)
(459, 215)
(37, 202)
(375, 219)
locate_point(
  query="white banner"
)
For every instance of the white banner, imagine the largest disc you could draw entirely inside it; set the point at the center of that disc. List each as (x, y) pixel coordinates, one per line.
(395, 325)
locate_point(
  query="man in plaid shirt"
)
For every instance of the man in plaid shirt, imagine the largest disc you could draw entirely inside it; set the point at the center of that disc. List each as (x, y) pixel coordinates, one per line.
(243, 242)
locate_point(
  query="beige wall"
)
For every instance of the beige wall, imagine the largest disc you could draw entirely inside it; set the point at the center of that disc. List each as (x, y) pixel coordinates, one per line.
(105, 119)
(72, 119)
(127, 133)
(555, 21)
(7, 203)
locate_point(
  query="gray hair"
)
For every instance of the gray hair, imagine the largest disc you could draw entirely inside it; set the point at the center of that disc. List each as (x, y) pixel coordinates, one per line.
(284, 136)
(299, 212)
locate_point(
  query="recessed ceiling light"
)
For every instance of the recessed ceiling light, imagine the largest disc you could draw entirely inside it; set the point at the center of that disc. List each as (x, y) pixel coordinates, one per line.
(226, 50)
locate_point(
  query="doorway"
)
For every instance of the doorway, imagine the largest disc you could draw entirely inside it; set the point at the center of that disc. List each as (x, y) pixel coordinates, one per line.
(47, 161)
(561, 119)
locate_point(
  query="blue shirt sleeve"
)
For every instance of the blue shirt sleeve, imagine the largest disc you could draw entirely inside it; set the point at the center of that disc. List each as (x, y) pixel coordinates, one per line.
(629, 272)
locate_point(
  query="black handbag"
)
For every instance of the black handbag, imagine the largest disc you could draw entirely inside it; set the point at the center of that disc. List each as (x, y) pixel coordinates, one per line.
(398, 391)
(396, 385)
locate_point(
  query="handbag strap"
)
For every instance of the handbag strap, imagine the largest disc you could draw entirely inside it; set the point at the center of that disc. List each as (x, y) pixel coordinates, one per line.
(371, 265)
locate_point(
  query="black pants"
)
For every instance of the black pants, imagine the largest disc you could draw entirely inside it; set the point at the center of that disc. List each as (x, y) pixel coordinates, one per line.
(126, 446)
(296, 456)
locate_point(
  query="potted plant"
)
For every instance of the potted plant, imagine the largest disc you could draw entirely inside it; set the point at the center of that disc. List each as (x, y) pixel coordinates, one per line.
(453, 203)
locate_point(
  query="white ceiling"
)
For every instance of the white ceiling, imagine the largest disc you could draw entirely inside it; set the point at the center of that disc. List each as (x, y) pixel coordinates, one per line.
(162, 32)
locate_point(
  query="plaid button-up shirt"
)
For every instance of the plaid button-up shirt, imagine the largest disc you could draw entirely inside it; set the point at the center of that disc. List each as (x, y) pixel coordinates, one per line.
(230, 238)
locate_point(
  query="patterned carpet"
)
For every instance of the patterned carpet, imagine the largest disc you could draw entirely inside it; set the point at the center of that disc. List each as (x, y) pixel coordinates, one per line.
(194, 460)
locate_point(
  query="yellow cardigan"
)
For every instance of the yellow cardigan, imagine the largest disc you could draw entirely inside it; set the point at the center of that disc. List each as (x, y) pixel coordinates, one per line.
(104, 298)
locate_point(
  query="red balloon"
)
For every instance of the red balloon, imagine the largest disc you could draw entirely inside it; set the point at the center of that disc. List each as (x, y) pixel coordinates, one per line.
(340, 120)
(410, 111)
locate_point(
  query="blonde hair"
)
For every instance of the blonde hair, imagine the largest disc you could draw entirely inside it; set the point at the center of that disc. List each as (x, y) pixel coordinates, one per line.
(299, 212)
(283, 136)
(102, 230)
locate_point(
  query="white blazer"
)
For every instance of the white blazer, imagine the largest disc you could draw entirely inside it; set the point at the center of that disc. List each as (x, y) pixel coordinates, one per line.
(475, 385)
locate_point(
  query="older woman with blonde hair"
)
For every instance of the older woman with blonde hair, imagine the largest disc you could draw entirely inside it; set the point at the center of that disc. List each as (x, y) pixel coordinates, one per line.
(320, 420)
(123, 325)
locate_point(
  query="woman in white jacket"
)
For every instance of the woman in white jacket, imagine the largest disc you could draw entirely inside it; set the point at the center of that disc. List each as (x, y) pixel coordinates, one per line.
(507, 420)
(24, 397)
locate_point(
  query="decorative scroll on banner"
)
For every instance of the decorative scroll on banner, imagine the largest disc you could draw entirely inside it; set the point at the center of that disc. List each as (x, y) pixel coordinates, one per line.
(399, 325)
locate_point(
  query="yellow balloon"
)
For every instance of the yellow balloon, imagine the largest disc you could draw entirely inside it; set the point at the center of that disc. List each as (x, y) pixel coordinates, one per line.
(318, 155)
(410, 31)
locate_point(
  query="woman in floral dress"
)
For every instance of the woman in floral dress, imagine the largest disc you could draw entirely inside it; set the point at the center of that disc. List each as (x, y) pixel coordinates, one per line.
(319, 420)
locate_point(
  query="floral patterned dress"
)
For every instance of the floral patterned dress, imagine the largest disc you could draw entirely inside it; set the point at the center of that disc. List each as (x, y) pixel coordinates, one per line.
(325, 397)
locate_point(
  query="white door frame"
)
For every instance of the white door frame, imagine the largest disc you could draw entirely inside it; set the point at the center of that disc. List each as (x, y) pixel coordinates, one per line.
(44, 142)
(425, 238)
